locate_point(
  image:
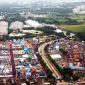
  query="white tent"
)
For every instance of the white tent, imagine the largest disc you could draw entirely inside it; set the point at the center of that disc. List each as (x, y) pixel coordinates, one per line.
(32, 23)
(3, 28)
(56, 56)
(16, 25)
(25, 56)
(58, 30)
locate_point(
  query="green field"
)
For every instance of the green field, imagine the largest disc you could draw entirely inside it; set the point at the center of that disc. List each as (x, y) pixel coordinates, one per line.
(74, 28)
(78, 17)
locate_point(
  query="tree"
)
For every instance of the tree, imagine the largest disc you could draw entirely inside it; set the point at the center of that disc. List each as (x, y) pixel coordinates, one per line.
(65, 52)
(10, 31)
(81, 35)
(68, 33)
(75, 77)
(67, 73)
(71, 21)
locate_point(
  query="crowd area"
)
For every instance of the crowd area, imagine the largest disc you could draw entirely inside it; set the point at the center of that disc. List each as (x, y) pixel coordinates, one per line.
(22, 56)
(71, 53)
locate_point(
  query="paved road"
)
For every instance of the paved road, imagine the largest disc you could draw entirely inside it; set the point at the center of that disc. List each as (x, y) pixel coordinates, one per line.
(48, 62)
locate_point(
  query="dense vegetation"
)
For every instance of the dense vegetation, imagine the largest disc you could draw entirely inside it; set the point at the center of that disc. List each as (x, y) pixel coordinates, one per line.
(14, 17)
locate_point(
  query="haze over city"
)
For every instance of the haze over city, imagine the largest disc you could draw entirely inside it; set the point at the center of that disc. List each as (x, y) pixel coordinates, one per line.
(42, 42)
(32, 1)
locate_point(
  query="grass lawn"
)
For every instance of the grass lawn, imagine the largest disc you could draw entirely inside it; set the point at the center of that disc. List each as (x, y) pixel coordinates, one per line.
(80, 18)
(74, 28)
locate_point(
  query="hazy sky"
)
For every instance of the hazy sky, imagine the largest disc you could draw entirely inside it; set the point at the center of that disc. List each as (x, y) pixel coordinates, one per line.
(29, 1)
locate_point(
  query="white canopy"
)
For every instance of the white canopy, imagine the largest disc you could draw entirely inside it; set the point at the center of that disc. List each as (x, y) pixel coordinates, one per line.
(32, 23)
(3, 28)
(58, 31)
(56, 56)
(16, 25)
